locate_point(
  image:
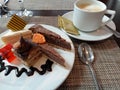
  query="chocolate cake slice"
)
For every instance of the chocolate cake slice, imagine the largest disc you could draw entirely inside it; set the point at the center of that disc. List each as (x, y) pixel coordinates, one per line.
(50, 36)
(27, 53)
(30, 51)
(51, 53)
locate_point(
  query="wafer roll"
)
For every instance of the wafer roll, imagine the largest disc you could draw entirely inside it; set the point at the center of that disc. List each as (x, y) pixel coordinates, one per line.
(16, 23)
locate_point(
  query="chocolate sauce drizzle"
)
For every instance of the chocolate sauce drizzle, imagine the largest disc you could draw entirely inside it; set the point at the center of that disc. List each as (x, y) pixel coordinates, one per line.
(8, 68)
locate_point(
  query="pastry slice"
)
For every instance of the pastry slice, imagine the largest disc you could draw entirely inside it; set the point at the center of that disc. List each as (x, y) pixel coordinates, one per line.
(26, 52)
(67, 25)
(13, 37)
(51, 37)
(50, 52)
(29, 52)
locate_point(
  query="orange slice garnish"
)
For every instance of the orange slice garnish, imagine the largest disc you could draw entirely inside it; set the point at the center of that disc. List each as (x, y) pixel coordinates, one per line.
(38, 38)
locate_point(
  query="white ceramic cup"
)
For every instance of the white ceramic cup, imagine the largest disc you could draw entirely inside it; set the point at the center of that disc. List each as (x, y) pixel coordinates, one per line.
(89, 18)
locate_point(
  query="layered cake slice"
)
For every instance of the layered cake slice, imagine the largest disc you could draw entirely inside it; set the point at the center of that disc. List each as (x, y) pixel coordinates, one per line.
(26, 52)
(13, 37)
(50, 52)
(29, 52)
(51, 37)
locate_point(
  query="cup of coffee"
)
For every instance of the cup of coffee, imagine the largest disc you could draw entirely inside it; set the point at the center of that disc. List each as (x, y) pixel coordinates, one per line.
(88, 14)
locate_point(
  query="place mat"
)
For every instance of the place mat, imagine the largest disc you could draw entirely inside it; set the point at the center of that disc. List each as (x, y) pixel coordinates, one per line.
(34, 20)
(3, 22)
(43, 4)
(106, 64)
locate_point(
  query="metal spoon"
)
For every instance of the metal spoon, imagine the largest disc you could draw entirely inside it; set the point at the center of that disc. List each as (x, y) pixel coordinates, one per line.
(86, 55)
(116, 33)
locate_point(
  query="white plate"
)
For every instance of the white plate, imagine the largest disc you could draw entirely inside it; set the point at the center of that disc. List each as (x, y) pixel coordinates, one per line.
(100, 34)
(48, 81)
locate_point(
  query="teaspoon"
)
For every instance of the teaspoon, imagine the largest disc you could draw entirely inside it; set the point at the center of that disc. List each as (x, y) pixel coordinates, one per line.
(116, 33)
(87, 57)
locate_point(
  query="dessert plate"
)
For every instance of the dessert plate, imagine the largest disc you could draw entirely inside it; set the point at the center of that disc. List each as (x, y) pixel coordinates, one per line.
(97, 35)
(50, 80)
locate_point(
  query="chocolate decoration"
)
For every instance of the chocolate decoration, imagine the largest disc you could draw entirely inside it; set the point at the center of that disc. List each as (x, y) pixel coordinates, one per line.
(8, 68)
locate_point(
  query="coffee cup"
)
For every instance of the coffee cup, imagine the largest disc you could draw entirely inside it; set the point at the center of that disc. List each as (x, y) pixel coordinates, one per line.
(88, 14)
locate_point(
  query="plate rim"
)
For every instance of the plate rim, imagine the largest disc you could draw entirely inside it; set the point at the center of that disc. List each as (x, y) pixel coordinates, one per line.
(72, 50)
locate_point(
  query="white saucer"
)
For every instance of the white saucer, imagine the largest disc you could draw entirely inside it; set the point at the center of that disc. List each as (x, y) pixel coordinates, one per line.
(97, 35)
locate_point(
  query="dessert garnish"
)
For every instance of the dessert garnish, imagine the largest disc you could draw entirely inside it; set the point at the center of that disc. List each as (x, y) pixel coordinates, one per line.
(16, 23)
(38, 38)
(7, 53)
(8, 68)
(67, 25)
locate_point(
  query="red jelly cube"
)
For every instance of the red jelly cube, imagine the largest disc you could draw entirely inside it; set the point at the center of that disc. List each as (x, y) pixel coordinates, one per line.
(7, 52)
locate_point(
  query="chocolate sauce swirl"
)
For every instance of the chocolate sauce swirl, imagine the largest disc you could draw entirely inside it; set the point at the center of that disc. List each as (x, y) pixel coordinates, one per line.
(8, 68)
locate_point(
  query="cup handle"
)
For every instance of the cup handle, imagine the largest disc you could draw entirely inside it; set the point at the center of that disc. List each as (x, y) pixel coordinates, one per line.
(109, 12)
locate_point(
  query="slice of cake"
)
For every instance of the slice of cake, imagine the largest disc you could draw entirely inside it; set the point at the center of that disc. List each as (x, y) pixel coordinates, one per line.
(67, 25)
(13, 37)
(50, 52)
(51, 37)
(29, 52)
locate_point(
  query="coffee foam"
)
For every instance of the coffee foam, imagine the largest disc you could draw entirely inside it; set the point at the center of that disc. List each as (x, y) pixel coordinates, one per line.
(90, 7)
